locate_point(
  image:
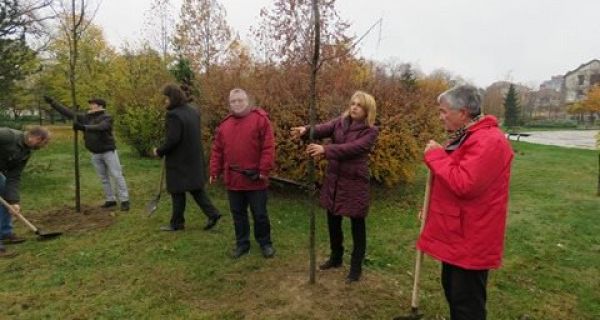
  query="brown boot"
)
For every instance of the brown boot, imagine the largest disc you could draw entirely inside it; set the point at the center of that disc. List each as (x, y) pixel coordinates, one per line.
(12, 239)
(6, 254)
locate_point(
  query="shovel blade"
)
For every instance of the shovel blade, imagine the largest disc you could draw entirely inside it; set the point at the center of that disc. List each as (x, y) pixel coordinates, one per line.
(413, 315)
(48, 235)
(409, 317)
(152, 206)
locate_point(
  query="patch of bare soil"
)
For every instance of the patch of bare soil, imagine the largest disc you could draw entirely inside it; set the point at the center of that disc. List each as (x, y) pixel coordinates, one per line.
(282, 291)
(68, 221)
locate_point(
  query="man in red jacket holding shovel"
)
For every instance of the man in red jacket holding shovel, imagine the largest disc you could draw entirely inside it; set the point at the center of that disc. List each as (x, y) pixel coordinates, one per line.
(465, 223)
(243, 151)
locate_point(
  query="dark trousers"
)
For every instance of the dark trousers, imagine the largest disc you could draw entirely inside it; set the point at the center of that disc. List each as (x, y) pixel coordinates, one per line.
(336, 239)
(201, 198)
(465, 292)
(239, 201)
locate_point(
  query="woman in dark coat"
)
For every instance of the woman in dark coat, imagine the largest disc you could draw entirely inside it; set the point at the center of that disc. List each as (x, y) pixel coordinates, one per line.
(345, 191)
(184, 159)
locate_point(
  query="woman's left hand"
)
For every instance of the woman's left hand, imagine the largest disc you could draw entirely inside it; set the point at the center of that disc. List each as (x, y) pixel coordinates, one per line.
(315, 150)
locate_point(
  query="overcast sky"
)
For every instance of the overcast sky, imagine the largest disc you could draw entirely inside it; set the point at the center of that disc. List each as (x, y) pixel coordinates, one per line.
(525, 41)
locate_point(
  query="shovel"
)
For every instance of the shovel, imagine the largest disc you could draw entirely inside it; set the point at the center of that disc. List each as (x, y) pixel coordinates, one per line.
(290, 182)
(153, 204)
(415, 314)
(41, 235)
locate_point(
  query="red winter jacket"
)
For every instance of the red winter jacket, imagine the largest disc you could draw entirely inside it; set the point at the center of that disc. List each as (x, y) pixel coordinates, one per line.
(245, 143)
(466, 220)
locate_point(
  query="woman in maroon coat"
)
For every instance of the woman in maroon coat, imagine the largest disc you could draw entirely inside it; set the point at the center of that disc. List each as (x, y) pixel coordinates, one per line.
(345, 191)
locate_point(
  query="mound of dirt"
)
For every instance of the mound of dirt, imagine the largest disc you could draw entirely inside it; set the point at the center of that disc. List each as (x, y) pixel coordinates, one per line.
(67, 220)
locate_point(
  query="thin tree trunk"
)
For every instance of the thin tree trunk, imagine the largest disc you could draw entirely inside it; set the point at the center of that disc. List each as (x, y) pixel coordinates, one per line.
(598, 191)
(40, 112)
(312, 120)
(72, 65)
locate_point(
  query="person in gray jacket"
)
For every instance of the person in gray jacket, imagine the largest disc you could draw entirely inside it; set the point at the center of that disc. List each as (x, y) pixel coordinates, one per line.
(97, 126)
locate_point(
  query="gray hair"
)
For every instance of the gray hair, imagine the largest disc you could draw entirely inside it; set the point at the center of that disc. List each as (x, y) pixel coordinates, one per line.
(463, 97)
(238, 90)
(39, 132)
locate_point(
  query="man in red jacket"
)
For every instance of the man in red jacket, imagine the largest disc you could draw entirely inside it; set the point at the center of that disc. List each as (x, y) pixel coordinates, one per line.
(465, 224)
(243, 151)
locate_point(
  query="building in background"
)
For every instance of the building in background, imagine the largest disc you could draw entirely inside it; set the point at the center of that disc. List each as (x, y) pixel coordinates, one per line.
(577, 82)
(555, 83)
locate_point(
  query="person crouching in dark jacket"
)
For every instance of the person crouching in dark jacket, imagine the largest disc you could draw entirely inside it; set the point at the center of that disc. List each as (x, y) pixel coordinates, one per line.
(243, 151)
(15, 150)
(97, 127)
(184, 159)
(345, 190)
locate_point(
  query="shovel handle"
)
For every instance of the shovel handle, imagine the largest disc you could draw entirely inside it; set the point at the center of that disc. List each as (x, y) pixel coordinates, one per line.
(419, 258)
(18, 215)
(162, 176)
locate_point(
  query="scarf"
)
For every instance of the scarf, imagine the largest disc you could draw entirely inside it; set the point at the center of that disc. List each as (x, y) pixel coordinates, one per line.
(456, 138)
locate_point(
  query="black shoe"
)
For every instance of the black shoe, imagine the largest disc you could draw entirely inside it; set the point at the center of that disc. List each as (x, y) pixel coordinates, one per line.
(330, 263)
(268, 251)
(238, 252)
(108, 204)
(171, 228)
(12, 239)
(125, 206)
(6, 254)
(354, 274)
(212, 221)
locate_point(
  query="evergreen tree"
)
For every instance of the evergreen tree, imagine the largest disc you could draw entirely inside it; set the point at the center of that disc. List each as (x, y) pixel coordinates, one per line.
(182, 71)
(511, 108)
(15, 54)
(408, 78)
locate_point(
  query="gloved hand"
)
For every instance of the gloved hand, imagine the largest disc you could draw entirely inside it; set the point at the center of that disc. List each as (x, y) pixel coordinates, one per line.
(48, 99)
(78, 126)
(253, 175)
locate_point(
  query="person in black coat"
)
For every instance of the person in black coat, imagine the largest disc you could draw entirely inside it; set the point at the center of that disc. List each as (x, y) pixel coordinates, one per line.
(184, 159)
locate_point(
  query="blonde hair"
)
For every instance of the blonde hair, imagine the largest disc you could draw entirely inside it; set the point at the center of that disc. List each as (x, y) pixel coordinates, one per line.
(367, 103)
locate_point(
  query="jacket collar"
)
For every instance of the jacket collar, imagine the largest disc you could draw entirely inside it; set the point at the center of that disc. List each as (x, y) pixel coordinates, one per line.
(350, 125)
(97, 113)
(485, 122)
(21, 142)
(482, 123)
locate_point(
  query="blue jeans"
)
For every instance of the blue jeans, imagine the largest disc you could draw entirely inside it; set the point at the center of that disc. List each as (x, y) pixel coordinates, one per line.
(6, 227)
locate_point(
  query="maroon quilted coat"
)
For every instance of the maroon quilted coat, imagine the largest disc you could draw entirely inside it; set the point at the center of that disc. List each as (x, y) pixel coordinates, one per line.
(345, 190)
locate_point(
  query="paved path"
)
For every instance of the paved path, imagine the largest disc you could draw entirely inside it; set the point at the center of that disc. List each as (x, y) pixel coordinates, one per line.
(582, 139)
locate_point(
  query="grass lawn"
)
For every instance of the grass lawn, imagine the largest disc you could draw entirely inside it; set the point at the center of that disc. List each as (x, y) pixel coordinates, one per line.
(122, 268)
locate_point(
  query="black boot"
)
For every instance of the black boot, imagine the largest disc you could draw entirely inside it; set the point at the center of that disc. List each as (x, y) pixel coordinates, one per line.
(355, 268)
(108, 204)
(212, 221)
(334, 261)
(359, 237)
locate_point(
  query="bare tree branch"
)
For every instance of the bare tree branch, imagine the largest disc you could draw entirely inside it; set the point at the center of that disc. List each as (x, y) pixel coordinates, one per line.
(352, 46)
